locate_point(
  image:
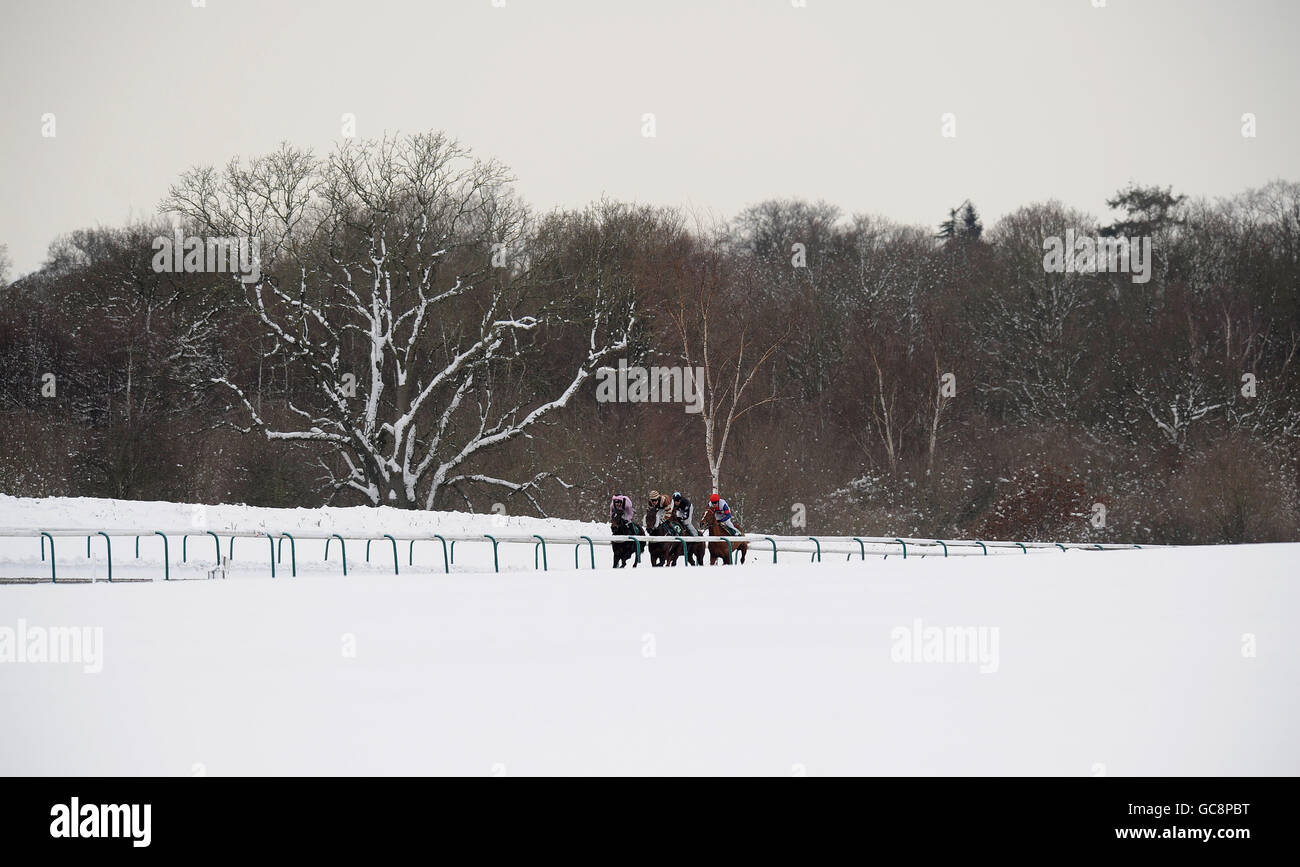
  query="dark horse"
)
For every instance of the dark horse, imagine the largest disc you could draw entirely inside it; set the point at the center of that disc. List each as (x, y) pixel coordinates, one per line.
(720, 551)
(667, 553)
(620, 526)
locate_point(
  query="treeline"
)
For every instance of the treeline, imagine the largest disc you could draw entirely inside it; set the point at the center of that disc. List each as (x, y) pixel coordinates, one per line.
(868, 377)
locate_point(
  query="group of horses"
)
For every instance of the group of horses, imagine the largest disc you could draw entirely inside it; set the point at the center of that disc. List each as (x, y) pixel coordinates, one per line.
(675, 542)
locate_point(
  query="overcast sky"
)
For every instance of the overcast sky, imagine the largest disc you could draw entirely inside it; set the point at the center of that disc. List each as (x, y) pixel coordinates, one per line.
(841, 100)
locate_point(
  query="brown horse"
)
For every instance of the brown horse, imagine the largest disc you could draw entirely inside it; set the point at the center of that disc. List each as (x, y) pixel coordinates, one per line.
(668, 553)
(720, 551)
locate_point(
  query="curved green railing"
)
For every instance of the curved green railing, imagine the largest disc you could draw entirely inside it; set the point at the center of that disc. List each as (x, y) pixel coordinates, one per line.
(293, 552)
(167, 568)
(343, 547)
(590, 545)
(185, 541)
(540, 542)
(54, 579)
(773, 541)
(107, 541)
(446, 565)
(389, 538)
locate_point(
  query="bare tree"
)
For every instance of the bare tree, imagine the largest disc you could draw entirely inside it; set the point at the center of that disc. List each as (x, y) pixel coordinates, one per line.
(884, 417)
(704, 323)
(391, 279)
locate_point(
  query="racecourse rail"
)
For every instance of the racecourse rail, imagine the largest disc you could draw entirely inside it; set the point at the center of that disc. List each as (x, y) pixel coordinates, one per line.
(814, 546)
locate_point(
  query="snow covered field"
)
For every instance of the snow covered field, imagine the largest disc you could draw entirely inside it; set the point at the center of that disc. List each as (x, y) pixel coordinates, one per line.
(1175, 661)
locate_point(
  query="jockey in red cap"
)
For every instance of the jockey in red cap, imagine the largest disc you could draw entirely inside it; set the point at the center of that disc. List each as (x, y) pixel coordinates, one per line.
(723, 513)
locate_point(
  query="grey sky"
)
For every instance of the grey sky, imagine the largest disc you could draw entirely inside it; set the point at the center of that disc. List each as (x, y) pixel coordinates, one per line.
(840, 100)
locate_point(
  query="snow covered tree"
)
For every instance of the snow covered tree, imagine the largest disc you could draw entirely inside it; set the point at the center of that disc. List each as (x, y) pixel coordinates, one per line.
(394, 279)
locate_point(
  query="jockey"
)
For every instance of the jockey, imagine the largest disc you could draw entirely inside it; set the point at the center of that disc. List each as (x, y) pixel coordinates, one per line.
(722, 511)
(683, 509)
(620, 507)
(658, 506)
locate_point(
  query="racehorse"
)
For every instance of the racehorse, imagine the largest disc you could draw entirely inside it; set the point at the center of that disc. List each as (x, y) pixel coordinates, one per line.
(620, 526)
(720, 551)
(667, 553)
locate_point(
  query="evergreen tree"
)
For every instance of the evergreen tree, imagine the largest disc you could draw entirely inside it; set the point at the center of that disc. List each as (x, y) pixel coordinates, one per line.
(963, 224)
(1146, 209)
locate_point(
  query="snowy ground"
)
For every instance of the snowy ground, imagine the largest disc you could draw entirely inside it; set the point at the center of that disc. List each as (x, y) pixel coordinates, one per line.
(1177, 661)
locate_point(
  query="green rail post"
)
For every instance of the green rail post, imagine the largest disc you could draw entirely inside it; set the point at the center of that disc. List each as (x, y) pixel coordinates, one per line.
(446, 566)
(293, 552)
(945, 546)
(862, 547)
(232, 547)
(686, 552)
(542, 542)
(137, 547)
(108, 542)
(904, 544)
(394, 550)
(496, 564)
(394, 541)
(982, 545)
(773, 541)
(1062, 547)
(818, 555)
(1099, 548)
(271, 539)
(1023, 549)
(54, 579)
(167, 569)
(453, 550)
(343, 547)
(636, 539)
(217, 541)
(591, 546)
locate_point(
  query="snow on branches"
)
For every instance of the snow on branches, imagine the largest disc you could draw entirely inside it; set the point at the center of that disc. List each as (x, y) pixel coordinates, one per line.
(377, 285)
